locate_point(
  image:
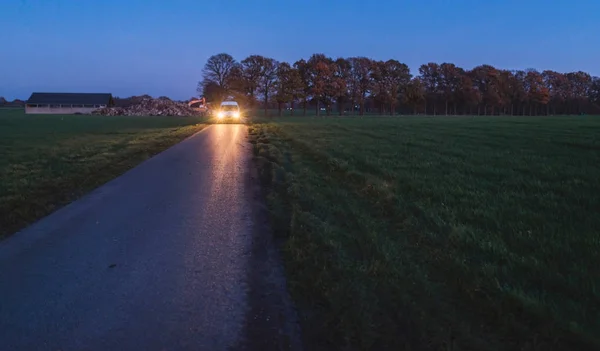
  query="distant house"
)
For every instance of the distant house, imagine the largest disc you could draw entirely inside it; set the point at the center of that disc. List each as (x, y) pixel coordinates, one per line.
(67, 103)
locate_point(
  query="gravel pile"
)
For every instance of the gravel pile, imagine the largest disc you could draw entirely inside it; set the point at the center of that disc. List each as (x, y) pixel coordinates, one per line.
(150, 107)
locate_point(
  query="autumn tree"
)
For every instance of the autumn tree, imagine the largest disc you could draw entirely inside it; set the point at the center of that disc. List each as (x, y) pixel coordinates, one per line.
(390, 78)
(361, 81)
(321, 80)
(485, 78)
(341, 78)
(303, 70)
(537, 93)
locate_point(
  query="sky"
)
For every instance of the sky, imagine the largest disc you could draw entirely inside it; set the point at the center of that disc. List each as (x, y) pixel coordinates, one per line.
(158, 47)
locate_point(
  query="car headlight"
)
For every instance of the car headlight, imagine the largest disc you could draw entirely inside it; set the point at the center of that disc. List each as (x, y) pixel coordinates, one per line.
(236, 115)
(220, 114)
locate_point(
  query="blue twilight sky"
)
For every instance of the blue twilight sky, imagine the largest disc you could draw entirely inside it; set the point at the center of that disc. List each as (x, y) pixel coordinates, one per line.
(131, 47)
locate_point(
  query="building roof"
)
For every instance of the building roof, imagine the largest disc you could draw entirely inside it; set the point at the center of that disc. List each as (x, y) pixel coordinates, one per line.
(70, 99)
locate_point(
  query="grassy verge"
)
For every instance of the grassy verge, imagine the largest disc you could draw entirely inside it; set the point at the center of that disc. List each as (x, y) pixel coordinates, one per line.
(438, 233)
(49, 161)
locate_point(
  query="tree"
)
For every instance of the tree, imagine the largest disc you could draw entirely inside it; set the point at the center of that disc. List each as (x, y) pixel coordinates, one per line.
(518, 93)
(267, 79)
(469, 94)
(580, 83)
(512, 89)
(212, 91)
(504, 81)
(595, 90)
(537, 93)
(390, 78)
(251, 69)
(361, 81)
(399, 77)
(303, 71)
(321, 80)
(352, 83)
(296, 87)
(430, 76)
(556, 83)
(449, 82)
(341, 77)
(387, 86)
(289, 85)
(414, 94)
(485, 78)
(381, 85)
(218, 71)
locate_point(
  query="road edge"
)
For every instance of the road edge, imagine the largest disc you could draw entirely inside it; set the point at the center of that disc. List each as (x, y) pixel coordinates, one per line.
(271, 321)
(71, 206)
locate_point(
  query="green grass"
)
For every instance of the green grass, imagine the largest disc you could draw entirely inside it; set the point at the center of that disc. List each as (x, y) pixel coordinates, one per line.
(447, 233)
(47, 161)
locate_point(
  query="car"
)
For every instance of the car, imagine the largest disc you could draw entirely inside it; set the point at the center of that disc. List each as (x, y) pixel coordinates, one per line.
(229, 109)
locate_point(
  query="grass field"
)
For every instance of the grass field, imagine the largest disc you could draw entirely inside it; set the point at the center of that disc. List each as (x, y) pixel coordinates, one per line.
(448, 233)
(48, 161)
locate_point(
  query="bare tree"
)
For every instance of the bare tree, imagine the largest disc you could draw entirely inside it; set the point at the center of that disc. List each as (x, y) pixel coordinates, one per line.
(218, 71)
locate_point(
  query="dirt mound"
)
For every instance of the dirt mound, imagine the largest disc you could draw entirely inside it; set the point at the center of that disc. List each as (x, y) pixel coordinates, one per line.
(149, 107)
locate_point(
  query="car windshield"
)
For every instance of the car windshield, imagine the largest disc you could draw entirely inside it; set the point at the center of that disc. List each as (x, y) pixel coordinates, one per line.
(229, 108)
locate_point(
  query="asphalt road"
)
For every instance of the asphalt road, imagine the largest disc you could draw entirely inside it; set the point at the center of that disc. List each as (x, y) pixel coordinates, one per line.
(166, 257)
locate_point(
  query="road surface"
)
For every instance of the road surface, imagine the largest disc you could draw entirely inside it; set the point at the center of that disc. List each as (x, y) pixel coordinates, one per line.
(166, 257)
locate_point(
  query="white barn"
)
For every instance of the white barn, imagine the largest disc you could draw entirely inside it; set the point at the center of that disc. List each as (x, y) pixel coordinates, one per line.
(67, 103)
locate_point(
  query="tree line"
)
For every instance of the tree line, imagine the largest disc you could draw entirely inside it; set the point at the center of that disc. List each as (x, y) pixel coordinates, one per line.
(357, 85)
(14, 103)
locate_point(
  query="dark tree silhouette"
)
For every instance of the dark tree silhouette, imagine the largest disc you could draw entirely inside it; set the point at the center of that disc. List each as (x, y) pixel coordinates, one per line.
(386, 86)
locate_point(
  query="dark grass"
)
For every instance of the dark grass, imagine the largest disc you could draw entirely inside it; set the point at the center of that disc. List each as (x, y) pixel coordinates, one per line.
(459, 233)
(47, 161)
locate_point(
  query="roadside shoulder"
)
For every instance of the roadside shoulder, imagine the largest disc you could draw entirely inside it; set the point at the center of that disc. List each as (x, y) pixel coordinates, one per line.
(271, 319)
